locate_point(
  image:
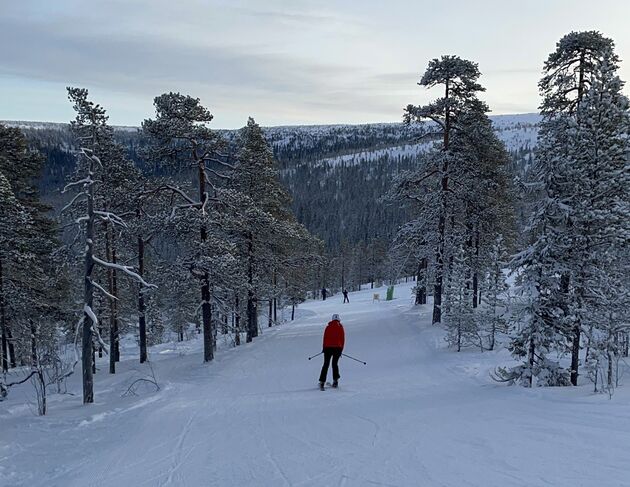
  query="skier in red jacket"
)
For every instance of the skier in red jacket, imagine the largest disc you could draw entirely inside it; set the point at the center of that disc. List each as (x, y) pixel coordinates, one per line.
(334, 339)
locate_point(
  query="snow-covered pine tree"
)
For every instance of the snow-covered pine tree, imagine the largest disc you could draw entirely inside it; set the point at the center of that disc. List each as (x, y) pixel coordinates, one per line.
(151, 207)
(28, 301)
(484, 207)
(13, 217)
(120, 186)
(459, 80)
(573, 137)
(600, 223)
(263, 225)
(180, 135)
(95, 138)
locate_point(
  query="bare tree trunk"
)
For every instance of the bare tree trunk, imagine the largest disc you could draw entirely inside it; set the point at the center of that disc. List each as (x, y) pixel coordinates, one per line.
(252, 311)
(237, 321)
(270, 322)
(88, 298)
(206, 310)
(11, 346)
(577, 329)
(292, 311)
(206, 316)
(34, 363)
(421, 289)
(530, 358)
(112, 311)
(575, 353)
(275, 299)
(3, 324)
(116, 351)
(41, 392)
(475, 277)
(142, 319)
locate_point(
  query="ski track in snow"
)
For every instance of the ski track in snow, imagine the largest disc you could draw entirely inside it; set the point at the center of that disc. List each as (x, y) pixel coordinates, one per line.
(416, 415)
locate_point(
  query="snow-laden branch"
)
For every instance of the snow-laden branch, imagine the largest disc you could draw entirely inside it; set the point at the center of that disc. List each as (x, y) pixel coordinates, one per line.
(102, 289)
(218, 161)
(110, 217)
(174, 189)
(126, 269)
(88, 311)
(89, 153)
(181, 207)
(209, 171)
(65, 208)
(86, 180)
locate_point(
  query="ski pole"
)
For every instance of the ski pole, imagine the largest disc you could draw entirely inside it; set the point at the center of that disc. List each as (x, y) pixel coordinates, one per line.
(315, 355)
(355, 359)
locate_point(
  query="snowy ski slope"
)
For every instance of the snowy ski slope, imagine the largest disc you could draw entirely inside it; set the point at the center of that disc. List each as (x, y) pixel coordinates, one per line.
(416, 415)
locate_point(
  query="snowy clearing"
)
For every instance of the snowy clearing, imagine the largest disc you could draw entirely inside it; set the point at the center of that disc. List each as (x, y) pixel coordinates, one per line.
(416, 415)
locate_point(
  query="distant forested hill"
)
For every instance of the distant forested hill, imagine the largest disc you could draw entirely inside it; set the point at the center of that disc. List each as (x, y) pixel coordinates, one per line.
(336, 173)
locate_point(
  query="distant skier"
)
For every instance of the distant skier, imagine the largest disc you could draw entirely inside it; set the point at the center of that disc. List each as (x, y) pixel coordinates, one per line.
(345, 296)
(324, 293)
(334, 340)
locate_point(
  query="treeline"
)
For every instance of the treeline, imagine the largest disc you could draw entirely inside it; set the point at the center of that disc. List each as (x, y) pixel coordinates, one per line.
(562, 227)
(143, 253)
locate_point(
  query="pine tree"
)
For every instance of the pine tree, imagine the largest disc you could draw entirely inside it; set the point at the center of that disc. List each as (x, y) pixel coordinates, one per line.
(459, 79)
(180, 134)
(264, 225)
(581, 153)
(95, 136)
(12, 252)
(599, 284)
(27, 297)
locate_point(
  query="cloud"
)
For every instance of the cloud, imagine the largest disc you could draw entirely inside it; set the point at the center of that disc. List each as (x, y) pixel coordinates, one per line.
(143, 64)
(284, 62)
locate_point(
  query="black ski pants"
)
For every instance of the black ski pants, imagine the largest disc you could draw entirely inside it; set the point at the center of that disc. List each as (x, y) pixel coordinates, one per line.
(333, 353)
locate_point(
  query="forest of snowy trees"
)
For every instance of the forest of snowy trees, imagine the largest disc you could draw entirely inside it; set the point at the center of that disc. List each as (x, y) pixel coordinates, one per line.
(179, 228)
(568, 314)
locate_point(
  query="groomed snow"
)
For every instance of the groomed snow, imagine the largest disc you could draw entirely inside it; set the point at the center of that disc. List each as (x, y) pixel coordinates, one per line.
(416, 415)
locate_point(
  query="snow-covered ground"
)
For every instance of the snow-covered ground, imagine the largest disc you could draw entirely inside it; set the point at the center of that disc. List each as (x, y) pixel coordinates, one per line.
(416, 415)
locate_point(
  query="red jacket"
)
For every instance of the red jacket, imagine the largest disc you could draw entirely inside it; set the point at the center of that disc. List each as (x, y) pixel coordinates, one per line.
(334, 335)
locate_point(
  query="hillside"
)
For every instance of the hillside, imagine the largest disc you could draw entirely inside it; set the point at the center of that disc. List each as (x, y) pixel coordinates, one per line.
(331, 170)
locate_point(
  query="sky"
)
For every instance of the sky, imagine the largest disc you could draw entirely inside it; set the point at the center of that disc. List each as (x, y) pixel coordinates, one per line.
(281, 62)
